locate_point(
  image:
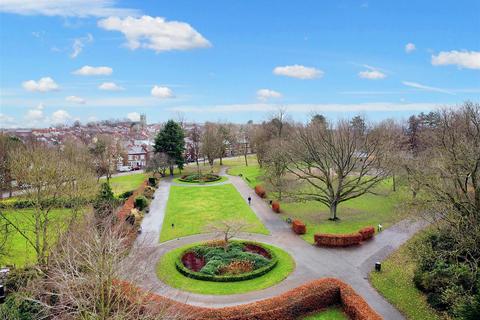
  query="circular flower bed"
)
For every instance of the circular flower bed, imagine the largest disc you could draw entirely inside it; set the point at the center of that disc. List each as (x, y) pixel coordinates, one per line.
(200, 178)
(213, 261)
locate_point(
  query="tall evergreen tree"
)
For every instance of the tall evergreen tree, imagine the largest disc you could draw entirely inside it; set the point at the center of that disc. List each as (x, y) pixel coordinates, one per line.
(170, 140)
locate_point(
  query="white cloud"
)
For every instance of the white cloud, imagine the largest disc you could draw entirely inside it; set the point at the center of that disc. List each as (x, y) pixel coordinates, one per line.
(65, 8)
(462, 59)
(371, 74)
(298, 71)
(410, 47)
(78, 45)
(60, 117)
(93, 71)
(7, 121)
(425, 87)
(110, 86)
(133, 116)
(265, 94)
(35, 115)
(155, 33)
(162, 92)
(308, 108)
(45, 84)
(75, 99)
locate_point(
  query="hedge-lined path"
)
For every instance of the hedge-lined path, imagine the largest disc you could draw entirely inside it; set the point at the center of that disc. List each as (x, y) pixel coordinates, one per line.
(351, 265)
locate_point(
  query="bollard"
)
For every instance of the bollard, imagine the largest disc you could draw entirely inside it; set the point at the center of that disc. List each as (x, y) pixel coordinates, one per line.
(2, 294)
(378, 266)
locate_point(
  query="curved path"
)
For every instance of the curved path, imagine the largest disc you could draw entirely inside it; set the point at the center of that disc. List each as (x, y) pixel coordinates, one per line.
(350, 265)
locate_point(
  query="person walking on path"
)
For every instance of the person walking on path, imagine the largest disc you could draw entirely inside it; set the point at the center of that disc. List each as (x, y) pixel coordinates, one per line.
(249, 200)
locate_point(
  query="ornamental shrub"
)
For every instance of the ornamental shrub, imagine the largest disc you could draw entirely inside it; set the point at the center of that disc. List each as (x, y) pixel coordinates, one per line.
(125, 195)
(141, 202)
(152, 181)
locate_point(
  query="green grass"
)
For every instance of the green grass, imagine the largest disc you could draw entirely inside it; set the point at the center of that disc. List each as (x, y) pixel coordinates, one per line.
(177, 181)
(252, 173)
(19, 252)
(167, 272)
(384, 208)
(192, 210)
(332, 313)
(395, 283)
(129, 182)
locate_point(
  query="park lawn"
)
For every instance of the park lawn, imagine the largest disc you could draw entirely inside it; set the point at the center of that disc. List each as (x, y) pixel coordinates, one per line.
(168, 273)
(395, 283)
(383, 208)
(193, 209)
(332, 313)
(121, 184)
(252, 174)
(19, 252)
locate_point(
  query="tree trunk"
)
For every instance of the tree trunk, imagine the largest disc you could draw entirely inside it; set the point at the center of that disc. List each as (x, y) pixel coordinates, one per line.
(221, 163)
(394, 183)
(171, 171)
(333, 211)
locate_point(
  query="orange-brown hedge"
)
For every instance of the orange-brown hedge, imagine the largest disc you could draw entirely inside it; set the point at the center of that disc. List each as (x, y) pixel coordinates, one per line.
(343, 240)
(291, 305)
(276, 206)
(299, 227)
(260, 191)
(367, 233)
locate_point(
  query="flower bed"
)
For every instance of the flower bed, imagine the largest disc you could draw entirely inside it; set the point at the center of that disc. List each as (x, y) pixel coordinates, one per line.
(344, 240)
(299, 227)
(200, 178)
(241, 261)
(291, 305)
(260, 191)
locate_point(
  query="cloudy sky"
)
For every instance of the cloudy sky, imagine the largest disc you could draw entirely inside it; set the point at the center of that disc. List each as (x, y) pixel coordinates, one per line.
(233, 60)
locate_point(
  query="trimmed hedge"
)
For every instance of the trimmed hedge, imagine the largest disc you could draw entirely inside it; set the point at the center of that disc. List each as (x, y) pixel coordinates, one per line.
(276, 206)
(291, 305)
(141, 202)
(367, 233)
(299, 227)
(227, 278)
(260, 191)
(20, 203)
(344, 240)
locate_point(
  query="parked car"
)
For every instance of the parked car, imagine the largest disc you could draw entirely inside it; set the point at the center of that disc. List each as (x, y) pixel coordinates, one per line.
(124, 168)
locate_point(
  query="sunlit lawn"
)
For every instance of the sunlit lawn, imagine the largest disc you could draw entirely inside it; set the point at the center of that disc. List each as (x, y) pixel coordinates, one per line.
(395, 283)
(18, 251)
(120, 184)
(193, 210)
(332, 313)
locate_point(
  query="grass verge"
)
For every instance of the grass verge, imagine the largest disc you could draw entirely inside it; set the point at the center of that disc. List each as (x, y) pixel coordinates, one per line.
(167, 272)
(395, 283)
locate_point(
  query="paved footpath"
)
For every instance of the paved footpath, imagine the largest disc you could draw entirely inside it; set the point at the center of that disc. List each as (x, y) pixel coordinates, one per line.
(350, 265)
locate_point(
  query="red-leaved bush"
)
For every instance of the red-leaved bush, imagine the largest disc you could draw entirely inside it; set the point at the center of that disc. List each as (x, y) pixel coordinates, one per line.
(291, 305)
(299, 227)
(344, 240)
(260, 191)
(367, 233)
(276, 206)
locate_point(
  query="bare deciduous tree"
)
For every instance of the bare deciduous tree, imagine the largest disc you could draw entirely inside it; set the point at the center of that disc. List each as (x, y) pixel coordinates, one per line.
(211, 143)
(159, 163)
(227, 230)
(195, 136)
(336, 163)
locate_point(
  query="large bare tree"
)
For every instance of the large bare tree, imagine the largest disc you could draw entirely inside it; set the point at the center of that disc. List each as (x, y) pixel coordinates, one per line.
(336, 163)
(212, 142)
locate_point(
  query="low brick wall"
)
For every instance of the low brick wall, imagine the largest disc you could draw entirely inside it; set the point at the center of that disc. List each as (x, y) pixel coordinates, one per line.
(291, 305)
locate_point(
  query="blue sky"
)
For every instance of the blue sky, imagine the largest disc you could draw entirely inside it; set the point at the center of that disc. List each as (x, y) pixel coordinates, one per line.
(233, 60)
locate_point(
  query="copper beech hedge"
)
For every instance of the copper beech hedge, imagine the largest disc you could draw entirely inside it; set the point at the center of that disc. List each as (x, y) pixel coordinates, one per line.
(276, 206)
(299, 227)
(260, 191)
(291, 305)
(344, 240)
